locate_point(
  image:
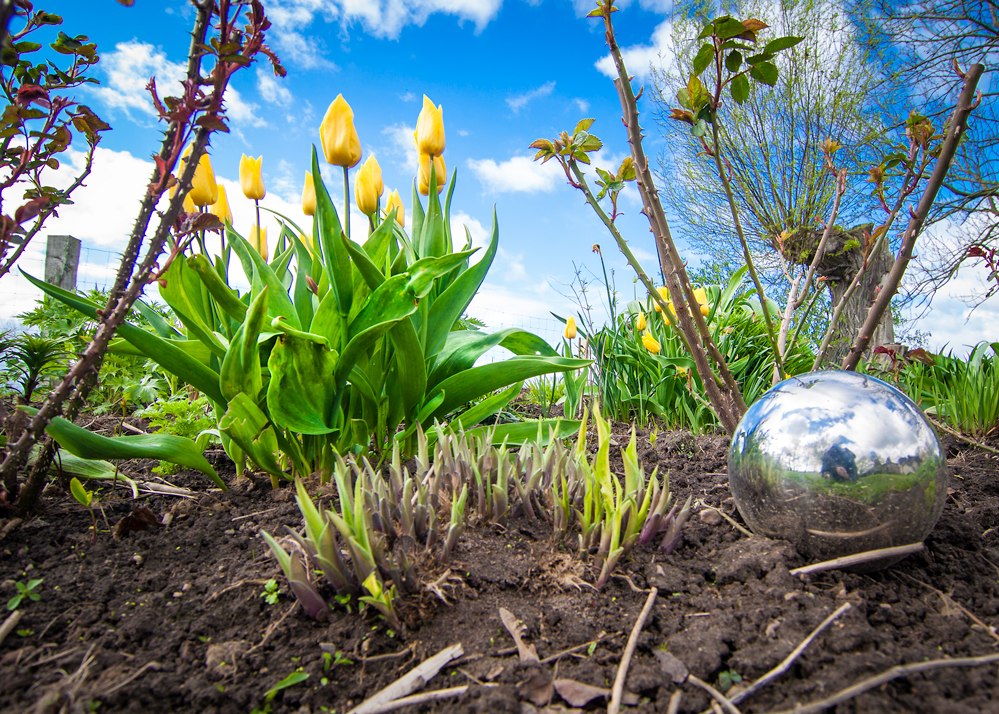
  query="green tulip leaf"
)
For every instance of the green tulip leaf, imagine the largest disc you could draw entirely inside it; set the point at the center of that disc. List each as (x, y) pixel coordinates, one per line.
(489, 406)
(225, 296)
(331, 240)
(302, 392)
(165, 447)
(240, 370)
(278, 304)
(169, 356)
(249, 428)
(181, 288)
(162, 328)
(464, 347)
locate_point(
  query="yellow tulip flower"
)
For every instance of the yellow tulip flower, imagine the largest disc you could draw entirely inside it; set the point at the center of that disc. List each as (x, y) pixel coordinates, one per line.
(366, 186)
(250, 178)
(189, 206)
(341, 145)
(221, 206)
(702, 300)
(664, 292)
(423, 176)
(309, 195)
(430, 129)
(395, 202)
(570, 328)
(258, 239)
(640, 322)
(650, 343)
(204, 190)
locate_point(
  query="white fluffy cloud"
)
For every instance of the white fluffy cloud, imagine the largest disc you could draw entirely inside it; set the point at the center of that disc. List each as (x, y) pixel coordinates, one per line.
(519, 101)
(517, 174)
(480, 234)
(131, 64)
(400, 138)
(272, 89)
(638, 58)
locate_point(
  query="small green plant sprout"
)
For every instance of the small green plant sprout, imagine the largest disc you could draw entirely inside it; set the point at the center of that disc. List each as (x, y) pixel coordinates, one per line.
(271, 592)
(86, 499)
(25, 591)
(728, 678)
(290, 681)
(332, 659)
(381, 599)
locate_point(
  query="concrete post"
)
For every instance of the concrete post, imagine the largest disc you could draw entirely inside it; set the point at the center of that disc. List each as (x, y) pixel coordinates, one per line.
(62, 257)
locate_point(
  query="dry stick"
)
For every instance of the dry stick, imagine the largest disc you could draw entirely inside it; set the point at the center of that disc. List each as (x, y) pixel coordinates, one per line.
(849, 560)
(789, 660)
(991, 631)
(674, 702)
(10, 623)
(131, 678)
(742, 529)
(617, 693)
(962, 437)
(416, 699)
(563, 653)
(715, 694)
(887, 676)
(958, 123)
(408, 683)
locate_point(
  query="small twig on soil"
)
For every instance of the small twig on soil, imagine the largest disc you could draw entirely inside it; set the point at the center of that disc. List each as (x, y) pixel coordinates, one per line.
(397, 692)
(991, 631)
(742, 529)
(887, 676)
(563, 653)
(715, 694)
(390, 655)
(271, 630)
(10, 623)
(215, 596)
(789, 660)
(133, 429)
(515, 627)
(258, 513)
(850, 560)
(674, 702)
(627, 579)
(962, 437)
(8, 527)
(434, 696)
(132, 677)
(617, 693)
(56, 657)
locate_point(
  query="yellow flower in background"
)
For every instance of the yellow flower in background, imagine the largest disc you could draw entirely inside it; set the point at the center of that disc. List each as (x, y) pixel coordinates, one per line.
(650, 343)
(258, 239)
(189, 206)
(221, 206)
(570, 328)
(251, 179)
(309, 195)
(395, 202)
(204, 190)
(640, 322)
(702, 300)
(430, 129)
(368, 186)
(341, 145)
(423, 175)
(681, 371)
(664, 292)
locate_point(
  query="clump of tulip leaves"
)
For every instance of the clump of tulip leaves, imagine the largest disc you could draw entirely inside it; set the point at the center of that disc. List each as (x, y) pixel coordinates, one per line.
(369, 545)
(339, 346)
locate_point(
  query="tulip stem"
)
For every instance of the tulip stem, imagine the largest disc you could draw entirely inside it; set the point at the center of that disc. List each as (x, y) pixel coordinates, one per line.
(346, 203)
(256, 203)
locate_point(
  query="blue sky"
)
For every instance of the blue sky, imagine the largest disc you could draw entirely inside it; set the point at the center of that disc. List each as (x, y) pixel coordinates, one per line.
(506, 73)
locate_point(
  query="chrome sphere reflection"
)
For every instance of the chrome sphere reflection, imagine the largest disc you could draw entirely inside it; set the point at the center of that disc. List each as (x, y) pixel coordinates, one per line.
(837, 463)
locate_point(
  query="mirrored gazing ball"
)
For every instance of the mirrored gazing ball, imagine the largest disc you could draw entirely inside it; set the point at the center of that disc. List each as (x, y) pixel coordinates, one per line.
(838, 463)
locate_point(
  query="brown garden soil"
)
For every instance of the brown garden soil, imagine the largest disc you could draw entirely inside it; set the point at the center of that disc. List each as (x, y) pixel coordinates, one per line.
(171, 619)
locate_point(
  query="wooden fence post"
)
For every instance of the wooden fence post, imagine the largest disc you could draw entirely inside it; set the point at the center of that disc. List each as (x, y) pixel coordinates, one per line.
(62, 258)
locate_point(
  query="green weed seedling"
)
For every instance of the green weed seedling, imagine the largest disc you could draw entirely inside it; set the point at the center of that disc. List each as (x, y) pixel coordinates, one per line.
(332, 659)
(86, 499)
(728, 678)
(289, 681)
(271, 592)
(25, 591)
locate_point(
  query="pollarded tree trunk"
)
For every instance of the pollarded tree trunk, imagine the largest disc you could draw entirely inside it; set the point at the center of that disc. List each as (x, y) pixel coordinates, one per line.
(843, 259)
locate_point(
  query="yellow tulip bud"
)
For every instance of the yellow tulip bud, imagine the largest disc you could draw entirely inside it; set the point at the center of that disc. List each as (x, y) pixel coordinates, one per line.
(221, 206)
(664, 292)
(309, 195)
(640, 322)
(367, 185)
(250, 178)
(395, 202)
(570, 328)
(204, 190)
(650, 343)
(423, 176)
(702, 300)
(189, 206)
(430, 129)
(258, 239)
(341, 145)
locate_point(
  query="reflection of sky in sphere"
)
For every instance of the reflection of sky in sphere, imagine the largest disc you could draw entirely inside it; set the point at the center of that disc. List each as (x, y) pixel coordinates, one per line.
(797, 421)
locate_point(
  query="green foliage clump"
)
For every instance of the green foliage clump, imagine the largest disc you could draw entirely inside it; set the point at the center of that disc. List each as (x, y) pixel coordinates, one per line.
(181, 416)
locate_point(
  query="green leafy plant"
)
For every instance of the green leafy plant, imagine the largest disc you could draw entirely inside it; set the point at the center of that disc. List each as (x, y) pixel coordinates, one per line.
(181, 416)
(290, 681)
(35, 357)
(25, 591)
(86, 499)
(272, 592)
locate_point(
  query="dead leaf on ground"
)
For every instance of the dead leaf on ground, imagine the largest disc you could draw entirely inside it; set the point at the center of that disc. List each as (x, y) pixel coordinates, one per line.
(579, 694)
(515, 627)
(142, 518)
